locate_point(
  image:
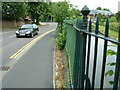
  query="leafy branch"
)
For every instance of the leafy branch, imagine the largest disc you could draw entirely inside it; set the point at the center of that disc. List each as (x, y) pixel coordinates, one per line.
(111, 72)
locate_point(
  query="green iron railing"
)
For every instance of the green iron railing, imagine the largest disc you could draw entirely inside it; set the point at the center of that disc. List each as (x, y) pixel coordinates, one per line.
(78, 34)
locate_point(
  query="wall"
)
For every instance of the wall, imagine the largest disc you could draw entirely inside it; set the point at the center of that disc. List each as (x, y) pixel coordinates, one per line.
(11, 24)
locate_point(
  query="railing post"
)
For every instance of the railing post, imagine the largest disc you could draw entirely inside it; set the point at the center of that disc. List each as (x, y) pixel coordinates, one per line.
(117, 67)
(80, 51)
(85, 11)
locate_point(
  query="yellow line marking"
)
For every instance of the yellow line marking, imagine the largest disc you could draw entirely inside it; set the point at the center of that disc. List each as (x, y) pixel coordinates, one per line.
(19, 52)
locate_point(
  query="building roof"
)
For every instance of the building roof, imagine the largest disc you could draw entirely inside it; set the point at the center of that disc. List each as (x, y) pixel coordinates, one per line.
(103, 12)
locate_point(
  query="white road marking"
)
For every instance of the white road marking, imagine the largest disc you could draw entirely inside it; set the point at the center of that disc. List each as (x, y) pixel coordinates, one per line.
(4, 32)
(13, 36)
(1, 40)
(9, 36)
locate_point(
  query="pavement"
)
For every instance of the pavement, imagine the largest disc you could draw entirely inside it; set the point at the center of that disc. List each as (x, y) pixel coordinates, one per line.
(35, 68)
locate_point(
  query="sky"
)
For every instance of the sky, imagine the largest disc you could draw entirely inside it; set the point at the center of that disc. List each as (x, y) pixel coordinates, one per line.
(93, 4)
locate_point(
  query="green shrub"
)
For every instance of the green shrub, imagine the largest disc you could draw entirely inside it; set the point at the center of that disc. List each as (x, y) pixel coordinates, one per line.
(113, 19)
(114, 26)
(61, 37)
(102, 22)
(79, 17)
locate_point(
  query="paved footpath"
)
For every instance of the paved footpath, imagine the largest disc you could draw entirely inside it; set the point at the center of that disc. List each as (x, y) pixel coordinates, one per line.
(35, 67)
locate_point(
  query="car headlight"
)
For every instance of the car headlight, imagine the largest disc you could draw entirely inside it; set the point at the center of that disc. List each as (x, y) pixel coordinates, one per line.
(27, 32)
(17, 32)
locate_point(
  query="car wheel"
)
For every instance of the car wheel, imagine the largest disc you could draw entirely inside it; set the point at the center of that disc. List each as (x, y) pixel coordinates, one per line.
(37, 33)
(32, 35)
(17, 36)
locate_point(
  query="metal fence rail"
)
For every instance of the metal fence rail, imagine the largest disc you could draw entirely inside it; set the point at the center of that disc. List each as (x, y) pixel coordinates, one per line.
(78, 35)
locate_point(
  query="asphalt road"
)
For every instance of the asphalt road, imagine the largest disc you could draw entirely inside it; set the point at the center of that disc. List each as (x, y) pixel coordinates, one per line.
(34, 69)
(11, 44)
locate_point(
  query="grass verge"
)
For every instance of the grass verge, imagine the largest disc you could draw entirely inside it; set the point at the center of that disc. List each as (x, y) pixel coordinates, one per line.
(113, 34)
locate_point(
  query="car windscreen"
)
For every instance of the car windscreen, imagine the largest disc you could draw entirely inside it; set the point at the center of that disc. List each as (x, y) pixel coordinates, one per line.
(26, 27)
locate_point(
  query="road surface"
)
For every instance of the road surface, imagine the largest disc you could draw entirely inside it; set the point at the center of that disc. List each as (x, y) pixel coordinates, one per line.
(34, 68)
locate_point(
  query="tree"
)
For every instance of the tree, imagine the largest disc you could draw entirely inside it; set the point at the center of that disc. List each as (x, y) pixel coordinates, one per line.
(106, 9)
(118, 16)
(74, 12)
(0, 11)
(99, 8)
(59, 13)
(47, 12)
(14, 10)
(39, 11)
(35, 11)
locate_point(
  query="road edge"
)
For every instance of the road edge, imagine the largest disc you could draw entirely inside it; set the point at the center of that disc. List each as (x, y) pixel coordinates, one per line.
(54, 68)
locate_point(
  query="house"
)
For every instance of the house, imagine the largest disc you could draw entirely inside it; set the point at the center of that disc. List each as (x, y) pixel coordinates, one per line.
(93, 14)
(103, 12)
